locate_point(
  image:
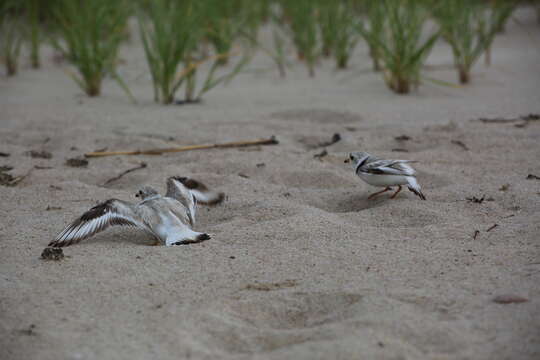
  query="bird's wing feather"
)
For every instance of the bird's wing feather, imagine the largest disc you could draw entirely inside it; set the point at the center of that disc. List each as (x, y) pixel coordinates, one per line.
(389, 167)
(176, 190)
(208, 197)
(100, 217)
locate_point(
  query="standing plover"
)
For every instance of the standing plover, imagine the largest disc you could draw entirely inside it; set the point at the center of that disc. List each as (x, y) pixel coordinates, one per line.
(385, 173)
(169, 219)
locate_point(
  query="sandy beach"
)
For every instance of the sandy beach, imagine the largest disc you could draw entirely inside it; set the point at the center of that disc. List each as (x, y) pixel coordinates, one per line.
(300, 265)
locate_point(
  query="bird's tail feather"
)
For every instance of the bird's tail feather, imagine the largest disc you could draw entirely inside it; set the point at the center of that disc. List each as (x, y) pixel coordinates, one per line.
(415, 187)
(208, 197)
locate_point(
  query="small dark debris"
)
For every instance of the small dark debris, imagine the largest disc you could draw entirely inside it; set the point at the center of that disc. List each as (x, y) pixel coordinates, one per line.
(531, 117)
(476, 200)
(3, 154)
(53, 208)
(287, 194)
(77, 162)
(460, 144)
(527, 119)
(243, 175)
(138, 257)
(321, 154)
(492, 227)
(73, 148)
(260, 165)
(159, 306)
(351, 128)
(402, 138)
(335, 138)
(533, 177)
(232, 257)
(399, 150)
(271, 286)
(41, 167)
(10, 180)
(55, 187)
(476, 233)
(29, 332)
(509, 299)
(39, 154)
(52, 253)
(505, 187)
(381, 344)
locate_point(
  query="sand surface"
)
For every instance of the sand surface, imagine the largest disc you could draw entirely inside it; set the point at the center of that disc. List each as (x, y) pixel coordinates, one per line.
(301, 265)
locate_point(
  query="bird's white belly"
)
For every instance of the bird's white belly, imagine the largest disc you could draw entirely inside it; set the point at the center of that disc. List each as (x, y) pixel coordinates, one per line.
(168, 226)
(383, 180)
(171, 230)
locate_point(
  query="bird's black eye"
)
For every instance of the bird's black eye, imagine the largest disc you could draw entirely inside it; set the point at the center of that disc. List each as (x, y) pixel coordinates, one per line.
(351, 157)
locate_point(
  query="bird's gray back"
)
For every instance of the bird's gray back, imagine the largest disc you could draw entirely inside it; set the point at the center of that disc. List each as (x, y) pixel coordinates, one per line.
(153, 211)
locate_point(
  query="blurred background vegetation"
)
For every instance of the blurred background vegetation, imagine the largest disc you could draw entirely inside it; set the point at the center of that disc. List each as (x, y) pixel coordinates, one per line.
(178, 36)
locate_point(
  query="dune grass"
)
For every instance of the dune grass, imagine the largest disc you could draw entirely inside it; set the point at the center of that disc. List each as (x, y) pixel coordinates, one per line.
(90, 35)
(300, 18)
(338, 28)
(173, 35)
(404, 44)
(168, 34)
(469, 26)
(11, 35)
(224, 21)
(34, 10)
(372, 29)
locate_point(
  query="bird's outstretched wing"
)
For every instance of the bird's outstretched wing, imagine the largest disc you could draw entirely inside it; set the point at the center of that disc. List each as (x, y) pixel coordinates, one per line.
(389, 167)
(100, 217)
(177, 191)
(202, 194)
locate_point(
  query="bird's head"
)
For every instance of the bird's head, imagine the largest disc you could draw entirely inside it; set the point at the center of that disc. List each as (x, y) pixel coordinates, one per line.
(145, 192)
(357, 157)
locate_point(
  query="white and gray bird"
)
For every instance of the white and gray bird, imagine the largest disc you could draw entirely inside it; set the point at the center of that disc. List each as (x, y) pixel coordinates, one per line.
(169, 219)
(385, 173)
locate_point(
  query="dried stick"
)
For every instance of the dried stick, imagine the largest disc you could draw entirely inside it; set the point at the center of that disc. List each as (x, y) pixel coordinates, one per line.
(141, 166)
(271, 141)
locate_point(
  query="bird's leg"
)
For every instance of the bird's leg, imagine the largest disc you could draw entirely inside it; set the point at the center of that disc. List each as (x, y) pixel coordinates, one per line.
(394, 194)
(379, 192)
(156, 242)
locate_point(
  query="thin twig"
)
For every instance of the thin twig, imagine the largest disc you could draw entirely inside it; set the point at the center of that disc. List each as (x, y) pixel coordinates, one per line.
(321, 154)
(476, 233)
(271, 141)
(461, 144)
(492, 227)
(141, 166)
(521, 121)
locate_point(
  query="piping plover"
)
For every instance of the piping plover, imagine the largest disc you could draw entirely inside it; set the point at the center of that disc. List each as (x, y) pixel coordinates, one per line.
(169, 219)
(385, 173)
